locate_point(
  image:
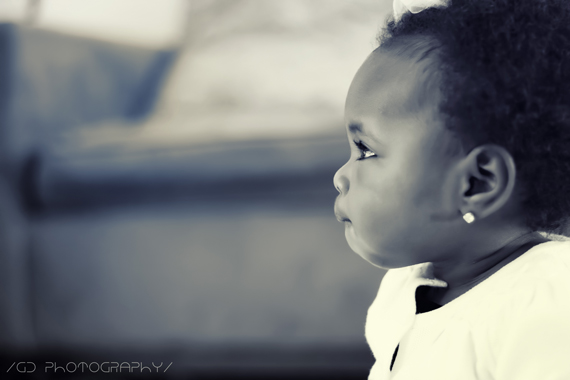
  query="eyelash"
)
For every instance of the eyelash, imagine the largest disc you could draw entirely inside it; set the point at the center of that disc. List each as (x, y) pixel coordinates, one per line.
(363, 150)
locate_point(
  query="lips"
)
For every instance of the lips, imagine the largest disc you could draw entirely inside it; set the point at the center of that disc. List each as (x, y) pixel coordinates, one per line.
(339, 215)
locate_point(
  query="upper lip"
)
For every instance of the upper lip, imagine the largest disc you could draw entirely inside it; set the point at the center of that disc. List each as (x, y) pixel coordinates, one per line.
(339, 216)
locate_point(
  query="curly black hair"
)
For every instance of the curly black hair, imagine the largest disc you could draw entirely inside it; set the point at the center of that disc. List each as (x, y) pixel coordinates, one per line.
(504, 68)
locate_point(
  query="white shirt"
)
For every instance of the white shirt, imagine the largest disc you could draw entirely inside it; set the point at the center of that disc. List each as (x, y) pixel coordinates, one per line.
(515, 325)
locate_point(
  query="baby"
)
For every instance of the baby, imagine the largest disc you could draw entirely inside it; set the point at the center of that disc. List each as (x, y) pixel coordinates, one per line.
(459, 127)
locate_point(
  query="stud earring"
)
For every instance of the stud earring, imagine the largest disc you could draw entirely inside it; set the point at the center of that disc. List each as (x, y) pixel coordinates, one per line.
(469, 217)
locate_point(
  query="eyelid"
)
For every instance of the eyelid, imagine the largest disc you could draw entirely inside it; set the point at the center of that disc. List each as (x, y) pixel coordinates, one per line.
(363, 148)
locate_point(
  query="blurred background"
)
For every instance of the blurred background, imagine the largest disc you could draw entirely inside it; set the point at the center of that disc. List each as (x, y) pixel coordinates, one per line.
(166, 187)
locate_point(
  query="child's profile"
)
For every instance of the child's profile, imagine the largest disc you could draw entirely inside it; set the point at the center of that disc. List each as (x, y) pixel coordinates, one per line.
(459, 130)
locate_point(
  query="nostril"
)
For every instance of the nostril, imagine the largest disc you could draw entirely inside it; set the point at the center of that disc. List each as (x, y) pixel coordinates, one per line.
(335, 184)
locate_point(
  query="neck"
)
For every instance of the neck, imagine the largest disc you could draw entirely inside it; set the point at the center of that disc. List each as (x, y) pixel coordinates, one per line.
(462, 276)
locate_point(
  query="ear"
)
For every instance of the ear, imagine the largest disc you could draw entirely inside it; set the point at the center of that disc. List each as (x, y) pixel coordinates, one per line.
(487, 180)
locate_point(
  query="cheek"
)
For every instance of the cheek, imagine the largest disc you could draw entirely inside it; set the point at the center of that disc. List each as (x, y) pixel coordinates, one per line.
(369, 191)
(381, 202)
(428, 197)
(394, 202)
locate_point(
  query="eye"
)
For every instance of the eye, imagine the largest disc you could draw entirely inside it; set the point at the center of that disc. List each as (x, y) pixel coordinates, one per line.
(364, 151)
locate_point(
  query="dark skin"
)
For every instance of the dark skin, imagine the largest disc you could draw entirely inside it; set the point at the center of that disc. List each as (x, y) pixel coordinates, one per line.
(494, 262)
(403, 195)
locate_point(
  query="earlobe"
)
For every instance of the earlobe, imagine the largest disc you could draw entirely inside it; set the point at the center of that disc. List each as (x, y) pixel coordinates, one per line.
(488, 180)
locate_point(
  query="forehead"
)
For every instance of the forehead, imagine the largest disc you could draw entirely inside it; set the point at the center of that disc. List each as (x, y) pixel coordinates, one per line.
(392, 85)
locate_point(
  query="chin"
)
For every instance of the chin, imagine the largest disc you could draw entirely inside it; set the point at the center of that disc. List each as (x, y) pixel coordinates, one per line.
(375, 257)
(369, 255)
(379, 261)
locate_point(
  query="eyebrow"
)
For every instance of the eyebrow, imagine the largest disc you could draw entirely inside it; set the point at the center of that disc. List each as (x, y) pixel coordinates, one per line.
(355, 127)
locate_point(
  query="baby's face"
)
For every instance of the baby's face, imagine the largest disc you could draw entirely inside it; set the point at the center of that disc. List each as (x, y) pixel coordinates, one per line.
(393, 197)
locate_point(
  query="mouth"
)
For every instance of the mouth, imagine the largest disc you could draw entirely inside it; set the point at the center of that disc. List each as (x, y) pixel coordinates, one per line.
(341, 218)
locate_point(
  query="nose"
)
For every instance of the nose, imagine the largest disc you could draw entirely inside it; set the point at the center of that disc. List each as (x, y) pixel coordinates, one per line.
(340, 180)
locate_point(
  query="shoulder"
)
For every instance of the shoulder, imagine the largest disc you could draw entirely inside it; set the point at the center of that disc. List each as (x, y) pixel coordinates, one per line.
(536, 282)
(540, 284)
(534, 341)
(545, 268)
(543, 272)
(526, 319)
